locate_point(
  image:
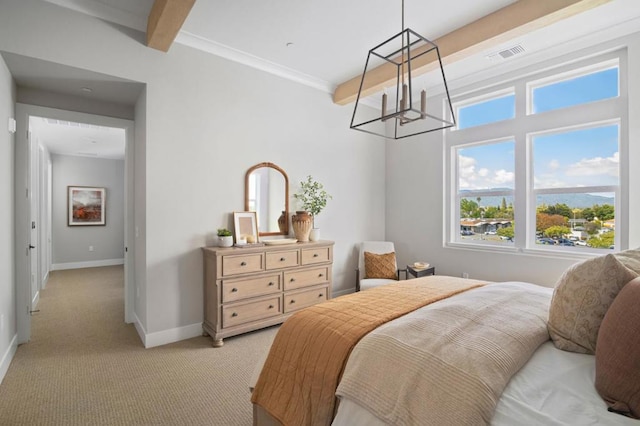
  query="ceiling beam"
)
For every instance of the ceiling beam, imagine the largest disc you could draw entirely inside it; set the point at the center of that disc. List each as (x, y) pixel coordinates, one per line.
(521, 17)
(165, 20)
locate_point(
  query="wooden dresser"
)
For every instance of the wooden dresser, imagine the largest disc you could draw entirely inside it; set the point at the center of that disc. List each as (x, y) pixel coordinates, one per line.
(250, 288)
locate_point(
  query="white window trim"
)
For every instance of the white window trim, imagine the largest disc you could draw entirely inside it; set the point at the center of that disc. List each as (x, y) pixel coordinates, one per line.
(520, 129)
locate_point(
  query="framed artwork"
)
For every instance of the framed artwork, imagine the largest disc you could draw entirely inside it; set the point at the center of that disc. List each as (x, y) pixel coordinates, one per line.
(246, 226)
(86, 205)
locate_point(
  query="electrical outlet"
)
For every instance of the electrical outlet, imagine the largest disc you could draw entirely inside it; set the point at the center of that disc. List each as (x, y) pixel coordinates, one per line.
(2, 322)
(90, 248)
(465, 275)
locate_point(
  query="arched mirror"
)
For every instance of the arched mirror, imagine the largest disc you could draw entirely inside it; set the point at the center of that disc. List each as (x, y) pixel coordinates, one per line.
(266, 191)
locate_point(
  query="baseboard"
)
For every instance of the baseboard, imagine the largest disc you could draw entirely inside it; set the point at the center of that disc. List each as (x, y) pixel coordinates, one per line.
(140, 329)
(45, 280)
(172, 335)
(88, 264)
(36, 299)
(8, 357)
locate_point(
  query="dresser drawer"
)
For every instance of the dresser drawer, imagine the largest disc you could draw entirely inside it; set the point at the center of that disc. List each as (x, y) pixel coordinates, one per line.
(306, 278)
(315, 255)
(282, 259)
(303, 299)
(241, 264)
(242, 313)
(241, 289)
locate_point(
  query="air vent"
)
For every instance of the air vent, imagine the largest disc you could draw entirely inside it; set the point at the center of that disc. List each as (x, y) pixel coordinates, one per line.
(506, 53)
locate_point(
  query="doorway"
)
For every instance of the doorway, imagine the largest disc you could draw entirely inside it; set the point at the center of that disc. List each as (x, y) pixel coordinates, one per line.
(35, 185)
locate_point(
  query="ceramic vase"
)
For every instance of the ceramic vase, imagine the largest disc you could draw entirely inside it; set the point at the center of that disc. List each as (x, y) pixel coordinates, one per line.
(282, 223)
(302, 223)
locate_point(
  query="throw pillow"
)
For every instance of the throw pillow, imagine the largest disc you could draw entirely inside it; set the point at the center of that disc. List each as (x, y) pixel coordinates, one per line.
(630, 259)
(380, 265)
(618, 353)
(581, 299)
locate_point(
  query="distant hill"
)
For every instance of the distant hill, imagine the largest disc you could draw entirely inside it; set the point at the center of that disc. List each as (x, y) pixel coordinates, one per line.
(572, 200)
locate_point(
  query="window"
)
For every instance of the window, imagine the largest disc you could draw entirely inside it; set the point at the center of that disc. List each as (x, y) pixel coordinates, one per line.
(534, 181)
(485, 192)
(487, 109)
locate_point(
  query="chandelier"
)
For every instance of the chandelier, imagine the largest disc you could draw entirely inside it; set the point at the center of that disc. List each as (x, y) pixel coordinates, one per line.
(402, 111)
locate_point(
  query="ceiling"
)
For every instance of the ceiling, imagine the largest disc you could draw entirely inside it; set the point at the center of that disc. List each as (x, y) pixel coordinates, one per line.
(318, 43)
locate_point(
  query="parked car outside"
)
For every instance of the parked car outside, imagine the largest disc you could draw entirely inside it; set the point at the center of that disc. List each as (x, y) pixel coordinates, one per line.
(581, 243)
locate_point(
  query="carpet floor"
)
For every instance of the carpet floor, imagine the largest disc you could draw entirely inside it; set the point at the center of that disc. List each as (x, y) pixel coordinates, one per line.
(85, 366)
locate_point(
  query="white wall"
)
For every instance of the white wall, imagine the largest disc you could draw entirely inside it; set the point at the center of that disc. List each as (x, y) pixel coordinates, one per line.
(416, 185)
(8, 328)
(207, 121)
(70, 244)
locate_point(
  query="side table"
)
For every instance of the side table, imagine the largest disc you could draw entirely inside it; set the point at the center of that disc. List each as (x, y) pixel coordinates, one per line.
(423, 272)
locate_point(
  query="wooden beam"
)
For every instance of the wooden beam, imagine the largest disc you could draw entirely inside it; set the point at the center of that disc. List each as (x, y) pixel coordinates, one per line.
(165, 20)
(521, 17)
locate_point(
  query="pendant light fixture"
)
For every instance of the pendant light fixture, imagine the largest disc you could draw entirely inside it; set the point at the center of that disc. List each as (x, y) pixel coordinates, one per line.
(402, 110)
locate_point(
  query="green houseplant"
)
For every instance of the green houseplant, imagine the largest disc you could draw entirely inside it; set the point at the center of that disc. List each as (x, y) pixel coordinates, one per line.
(224, 237)
(312, 198)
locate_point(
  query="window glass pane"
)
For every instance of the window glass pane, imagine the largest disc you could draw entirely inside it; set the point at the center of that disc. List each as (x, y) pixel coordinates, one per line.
(484, 112)
(579, 90)
(586, 157)
(487, 219)
(483, 170)
(488, 166)
(576, 220)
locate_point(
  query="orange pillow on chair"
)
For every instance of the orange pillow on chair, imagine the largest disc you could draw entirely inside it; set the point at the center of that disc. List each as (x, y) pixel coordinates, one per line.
(380, 265)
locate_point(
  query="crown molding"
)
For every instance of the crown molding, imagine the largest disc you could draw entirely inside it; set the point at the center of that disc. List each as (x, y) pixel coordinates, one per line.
(224, 51)
(105, 12)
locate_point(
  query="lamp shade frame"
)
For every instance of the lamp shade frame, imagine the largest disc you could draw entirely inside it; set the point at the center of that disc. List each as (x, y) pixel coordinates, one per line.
(404, 113)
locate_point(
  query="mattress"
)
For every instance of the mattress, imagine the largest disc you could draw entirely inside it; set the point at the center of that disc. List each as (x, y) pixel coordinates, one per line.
(554, 388)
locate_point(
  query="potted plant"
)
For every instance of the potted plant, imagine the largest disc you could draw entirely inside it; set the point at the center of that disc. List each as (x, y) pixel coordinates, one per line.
(224, 238)
(312, 198)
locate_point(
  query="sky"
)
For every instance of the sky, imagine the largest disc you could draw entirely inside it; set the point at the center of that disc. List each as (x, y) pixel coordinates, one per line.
(584, 157)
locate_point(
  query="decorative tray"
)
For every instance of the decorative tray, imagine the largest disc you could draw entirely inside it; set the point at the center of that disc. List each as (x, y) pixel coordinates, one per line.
(280, 242)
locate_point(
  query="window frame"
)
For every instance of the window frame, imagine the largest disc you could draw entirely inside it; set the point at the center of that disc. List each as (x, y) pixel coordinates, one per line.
(522, 129)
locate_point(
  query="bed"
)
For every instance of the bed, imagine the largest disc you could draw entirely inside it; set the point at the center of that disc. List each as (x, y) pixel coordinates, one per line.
(479, 354)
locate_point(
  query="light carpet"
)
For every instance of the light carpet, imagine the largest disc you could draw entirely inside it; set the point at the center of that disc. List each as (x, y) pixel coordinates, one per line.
(85, 366)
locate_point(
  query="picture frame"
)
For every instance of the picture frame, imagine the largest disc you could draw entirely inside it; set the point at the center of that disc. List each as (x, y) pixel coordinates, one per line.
(86, 206)
(245, 226)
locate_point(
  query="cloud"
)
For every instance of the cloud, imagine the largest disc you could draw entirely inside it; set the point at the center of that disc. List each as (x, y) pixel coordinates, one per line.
(470, 178)
(596, 166)
(553, 165)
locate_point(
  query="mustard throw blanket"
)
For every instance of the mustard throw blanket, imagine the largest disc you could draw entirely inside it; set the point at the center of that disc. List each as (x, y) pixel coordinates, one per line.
(298, 381)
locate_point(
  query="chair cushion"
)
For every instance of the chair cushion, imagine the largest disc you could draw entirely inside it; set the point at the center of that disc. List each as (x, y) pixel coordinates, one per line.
(380, 265)
(618, 352)
(581, 299)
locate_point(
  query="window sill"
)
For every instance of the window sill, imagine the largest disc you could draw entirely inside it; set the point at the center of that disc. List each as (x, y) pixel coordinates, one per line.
(555, 253)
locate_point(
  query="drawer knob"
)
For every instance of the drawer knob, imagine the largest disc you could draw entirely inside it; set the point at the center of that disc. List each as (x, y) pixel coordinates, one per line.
(320, 295)
(243, 263)
(233, 290)
(282, 259)
(292, 301)
(235, 314)
(319, 275)
(315, 254)
(270, 306)
(271, 284)
(292, 279)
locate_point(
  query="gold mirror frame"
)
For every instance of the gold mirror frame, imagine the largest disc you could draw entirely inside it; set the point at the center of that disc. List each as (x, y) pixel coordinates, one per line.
(285, 231)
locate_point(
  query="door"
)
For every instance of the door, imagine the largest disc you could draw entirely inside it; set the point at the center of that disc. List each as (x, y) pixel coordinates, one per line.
(23, 226)
(34, 280)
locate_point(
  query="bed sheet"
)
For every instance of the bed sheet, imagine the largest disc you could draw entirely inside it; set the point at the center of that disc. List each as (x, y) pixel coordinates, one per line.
(554, 388)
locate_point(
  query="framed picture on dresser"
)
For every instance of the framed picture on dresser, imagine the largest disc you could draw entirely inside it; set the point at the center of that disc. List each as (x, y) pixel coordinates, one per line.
(246, 226)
